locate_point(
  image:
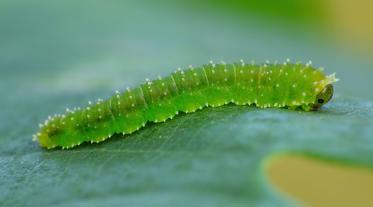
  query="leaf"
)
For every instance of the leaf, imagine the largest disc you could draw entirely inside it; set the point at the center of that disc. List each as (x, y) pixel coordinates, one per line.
(58, 55)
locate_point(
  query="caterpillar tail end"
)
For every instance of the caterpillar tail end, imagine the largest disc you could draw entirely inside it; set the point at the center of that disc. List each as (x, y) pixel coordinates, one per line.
(43, 140)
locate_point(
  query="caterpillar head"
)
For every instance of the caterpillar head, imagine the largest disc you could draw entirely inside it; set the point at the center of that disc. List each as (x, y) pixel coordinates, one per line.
(324, 96)
(326, 93)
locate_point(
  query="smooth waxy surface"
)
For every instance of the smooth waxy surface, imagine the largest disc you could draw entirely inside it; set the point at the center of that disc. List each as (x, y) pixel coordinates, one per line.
(264, 86)
(62, 54)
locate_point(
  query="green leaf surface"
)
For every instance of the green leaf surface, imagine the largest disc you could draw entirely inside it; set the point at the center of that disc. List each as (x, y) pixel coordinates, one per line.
(55, 55)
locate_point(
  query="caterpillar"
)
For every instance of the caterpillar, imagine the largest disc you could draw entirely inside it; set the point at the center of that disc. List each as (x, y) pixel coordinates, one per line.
(286, 85)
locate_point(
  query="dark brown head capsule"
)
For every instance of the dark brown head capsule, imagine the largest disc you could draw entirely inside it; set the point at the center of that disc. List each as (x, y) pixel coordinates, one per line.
(323, 97)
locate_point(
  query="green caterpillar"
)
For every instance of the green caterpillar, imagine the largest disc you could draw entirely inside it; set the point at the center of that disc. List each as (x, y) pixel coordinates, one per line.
(287, 85)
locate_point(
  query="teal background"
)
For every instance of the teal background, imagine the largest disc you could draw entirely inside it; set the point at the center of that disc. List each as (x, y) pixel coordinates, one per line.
(58, 54)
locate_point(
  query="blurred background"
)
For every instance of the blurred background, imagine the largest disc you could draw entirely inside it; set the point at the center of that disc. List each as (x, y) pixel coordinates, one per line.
(60, 43)
(55, 54)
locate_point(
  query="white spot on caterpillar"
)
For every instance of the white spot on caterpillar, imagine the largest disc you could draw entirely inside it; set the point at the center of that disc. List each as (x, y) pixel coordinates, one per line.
(212, 63)
(331, 78)
(242, 63)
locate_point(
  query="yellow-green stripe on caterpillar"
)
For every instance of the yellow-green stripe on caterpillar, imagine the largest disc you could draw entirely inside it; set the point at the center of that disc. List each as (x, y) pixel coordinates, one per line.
(287, 85)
